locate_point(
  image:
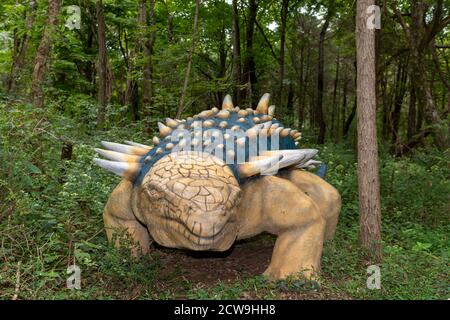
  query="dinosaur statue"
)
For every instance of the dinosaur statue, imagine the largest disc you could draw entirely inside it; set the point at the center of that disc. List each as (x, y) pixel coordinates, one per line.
(210, 180)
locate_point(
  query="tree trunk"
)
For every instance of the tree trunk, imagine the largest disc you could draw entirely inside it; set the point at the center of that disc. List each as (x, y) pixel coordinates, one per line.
(301, 86)
(188, 68)
(344, 105)
(237, 72)
(19, 57)
(411, 112)
(368, 176)
(400, 91)
(334, 112)
(43, 52)
(319, 108)
(147, 47)
(102, 65)
(420, 35)
(249, 72)
(284, 15)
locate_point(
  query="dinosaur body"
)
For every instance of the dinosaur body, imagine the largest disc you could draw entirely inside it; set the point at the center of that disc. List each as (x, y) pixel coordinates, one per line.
(222, 176)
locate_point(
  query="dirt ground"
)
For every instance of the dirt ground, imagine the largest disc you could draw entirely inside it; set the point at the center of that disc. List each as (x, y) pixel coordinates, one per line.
(245, 259)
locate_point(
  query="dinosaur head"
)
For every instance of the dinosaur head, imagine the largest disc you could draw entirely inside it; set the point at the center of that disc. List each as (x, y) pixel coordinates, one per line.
(189, 199)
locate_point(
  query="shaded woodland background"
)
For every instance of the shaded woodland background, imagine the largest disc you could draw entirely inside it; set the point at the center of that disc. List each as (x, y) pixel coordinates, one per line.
(133, 63)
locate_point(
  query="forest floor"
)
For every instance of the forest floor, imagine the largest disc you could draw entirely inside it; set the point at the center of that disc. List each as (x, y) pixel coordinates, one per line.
(51, 217)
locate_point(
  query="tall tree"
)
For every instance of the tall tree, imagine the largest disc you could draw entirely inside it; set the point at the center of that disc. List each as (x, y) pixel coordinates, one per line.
(149, 40)
(320, 78)
(420, 34)
(187, 75)
(20, 51)
(368, 175)
(43, 52)
(102, 65)
(249, 72)
(237, 72)
(284, 15)
(334, 111)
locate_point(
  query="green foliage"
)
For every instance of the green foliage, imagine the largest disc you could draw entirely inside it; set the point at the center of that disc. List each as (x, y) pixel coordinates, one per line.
(51, 216)
(51, 209)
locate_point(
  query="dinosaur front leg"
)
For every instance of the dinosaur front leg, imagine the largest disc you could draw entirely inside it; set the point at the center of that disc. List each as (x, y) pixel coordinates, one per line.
(118, 218)
(284, 210)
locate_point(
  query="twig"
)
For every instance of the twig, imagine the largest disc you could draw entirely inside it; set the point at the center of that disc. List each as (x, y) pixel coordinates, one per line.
(17, 288)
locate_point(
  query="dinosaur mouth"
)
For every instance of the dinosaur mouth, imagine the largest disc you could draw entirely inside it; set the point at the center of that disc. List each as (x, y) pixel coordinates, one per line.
(197, 233)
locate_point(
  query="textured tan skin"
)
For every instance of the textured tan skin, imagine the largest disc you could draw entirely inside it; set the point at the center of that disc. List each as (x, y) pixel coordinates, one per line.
(200, 206)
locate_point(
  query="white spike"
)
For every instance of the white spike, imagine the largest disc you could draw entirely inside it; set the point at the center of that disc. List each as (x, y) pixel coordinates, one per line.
(135, 144)
(124, 148)
(252, 168)
(164, 130)
(292, 157)
(127, 170)
(117, 156)
(227, 103)
(156, 141)
(271, 111)
(310, 164)
(171, 123)
(263, 104)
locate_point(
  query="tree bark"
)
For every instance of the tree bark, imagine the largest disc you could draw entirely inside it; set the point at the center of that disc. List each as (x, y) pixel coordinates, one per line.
(147, 48)
(344, 105)
(237, 72)
(102, 66)
(400, 91)
(249, 72)
(319, 108)
(284, 15)
(411, 130)
(368, 175)
(43, 52)
(334, 111)
(188, 68)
